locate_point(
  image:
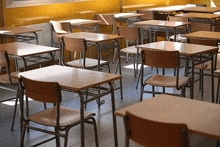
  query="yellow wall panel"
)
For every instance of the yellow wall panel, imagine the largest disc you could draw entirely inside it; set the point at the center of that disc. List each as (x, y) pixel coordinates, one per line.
(38, 14)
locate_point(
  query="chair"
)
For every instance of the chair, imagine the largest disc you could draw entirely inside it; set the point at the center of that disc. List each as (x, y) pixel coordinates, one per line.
(130, 34)
(79, 45)
(59, 117)
(206, 65)
(148, 15)
(154, 134)
(162, 59)
(6, 80)
(106, 20)
(59, 28)
(180, 30)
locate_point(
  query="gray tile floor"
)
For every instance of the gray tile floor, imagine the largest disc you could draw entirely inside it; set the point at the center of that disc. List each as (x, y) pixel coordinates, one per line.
(103, 117)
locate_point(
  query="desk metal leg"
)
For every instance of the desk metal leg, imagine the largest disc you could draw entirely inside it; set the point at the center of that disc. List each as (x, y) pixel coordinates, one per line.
(113, 116)
(36, 37)
(212, 76)
(192, 79)
(119, 63)
(82, 118)
(174, 35)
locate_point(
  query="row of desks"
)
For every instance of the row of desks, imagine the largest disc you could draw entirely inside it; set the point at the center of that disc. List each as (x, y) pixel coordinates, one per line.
(83, 79)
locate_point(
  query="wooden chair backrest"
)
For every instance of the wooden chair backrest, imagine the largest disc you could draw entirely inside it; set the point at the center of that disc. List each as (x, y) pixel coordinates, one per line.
(200, 41)
(61, 27)
(160, 58)
(200, 27)
(157, 134)
(74, 44)
(42, 91)
(148, 15)
(107, 19)
(130, 33)
(175, 18)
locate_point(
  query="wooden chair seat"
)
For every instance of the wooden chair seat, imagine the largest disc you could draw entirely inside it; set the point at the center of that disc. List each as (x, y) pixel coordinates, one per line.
(4, 79)
(207, 65)
(130, 50)
(67, 116)
(90, 63)
(166, 81)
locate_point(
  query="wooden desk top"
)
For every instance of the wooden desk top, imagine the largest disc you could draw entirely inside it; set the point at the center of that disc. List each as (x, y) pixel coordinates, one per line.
(183, 48)
(92, 37)
(169, 8)
(22, 49)
(204, 35)
(137, 6)
(202, 9)
(202, 118)
(68, 77)
(199, 15)
(79, 22)
(17, 30)
(161, 23)
(127, 15)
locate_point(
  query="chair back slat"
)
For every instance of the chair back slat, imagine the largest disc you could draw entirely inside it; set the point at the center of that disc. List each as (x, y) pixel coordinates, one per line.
(107, 19)
(157, 134)
(200, 41)
(148, 15)
(130, 33)
(175, 18)
(160, 58)
(61, 27)
(74, 44)
(41, 91)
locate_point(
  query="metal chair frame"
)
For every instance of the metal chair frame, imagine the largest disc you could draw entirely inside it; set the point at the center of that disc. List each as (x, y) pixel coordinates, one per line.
(177, 65)
(56, 102)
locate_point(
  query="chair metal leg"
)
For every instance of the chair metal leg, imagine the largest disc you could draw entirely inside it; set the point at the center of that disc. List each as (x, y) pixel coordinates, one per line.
(115, 51)
(23, 134)
(95, 131)
(217, 95)
(217, 143)
(66, 137)
(202, 83)
(116, 68)
(15, 109)
(45, 106)
(57, 138)
(153, 91)
(134, 69)
(139, 76)
(27, 109)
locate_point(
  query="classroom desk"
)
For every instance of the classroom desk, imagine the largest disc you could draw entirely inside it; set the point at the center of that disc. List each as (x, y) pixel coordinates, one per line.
(201, 18)
(168, 10)
(127, 17)
(84, 23)
(202, 118)
(98, 40)
(160, 24)
(18, 33)
(76, 80)
(204, 35)
(190, 51)
(21, 50)
(201, 9)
